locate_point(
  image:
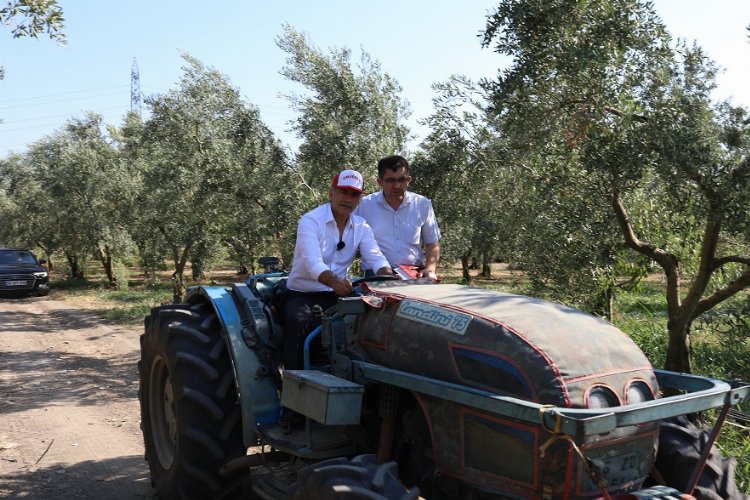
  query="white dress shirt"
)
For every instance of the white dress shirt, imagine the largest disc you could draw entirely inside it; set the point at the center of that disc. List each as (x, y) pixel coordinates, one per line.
(400, 233)
(315, 250)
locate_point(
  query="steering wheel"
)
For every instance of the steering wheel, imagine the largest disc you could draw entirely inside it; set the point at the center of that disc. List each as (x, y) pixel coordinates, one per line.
(377, 277)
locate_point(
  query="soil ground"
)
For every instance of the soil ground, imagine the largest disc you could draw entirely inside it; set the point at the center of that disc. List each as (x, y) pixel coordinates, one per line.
(69, 413)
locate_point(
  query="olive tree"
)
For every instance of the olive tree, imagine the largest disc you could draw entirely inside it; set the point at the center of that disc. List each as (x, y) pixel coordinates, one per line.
(199, 157)
(83, 187)
(25, 208)
(601, 101)
(34, 17)
(460, 168)
(347, 117)
(30, 18)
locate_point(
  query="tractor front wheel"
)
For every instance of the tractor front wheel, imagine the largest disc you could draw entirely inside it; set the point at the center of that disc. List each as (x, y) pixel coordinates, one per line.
(190, 418)
(361, 478)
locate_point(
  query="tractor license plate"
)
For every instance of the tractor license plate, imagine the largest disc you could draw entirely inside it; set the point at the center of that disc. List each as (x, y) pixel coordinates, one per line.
(623, 469)
(618, 470)
(15, 283)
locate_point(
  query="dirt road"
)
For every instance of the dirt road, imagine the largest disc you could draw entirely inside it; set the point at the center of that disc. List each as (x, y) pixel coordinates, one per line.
(69, 414)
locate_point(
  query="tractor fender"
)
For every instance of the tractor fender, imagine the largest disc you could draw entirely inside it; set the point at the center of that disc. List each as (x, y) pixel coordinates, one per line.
(257, 392)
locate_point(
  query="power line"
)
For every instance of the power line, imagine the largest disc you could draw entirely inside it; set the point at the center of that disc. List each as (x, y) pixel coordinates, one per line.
(3, 108)
(61, 93)
(54, 116)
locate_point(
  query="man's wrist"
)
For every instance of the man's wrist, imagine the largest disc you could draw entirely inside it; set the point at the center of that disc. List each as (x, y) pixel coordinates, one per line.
(384, 271)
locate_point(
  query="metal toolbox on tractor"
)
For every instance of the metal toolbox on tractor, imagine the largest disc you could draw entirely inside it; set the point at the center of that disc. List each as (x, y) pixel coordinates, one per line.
(323, 397)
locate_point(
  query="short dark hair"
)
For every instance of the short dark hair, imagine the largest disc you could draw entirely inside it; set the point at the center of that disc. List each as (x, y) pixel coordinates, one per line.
(393, 162)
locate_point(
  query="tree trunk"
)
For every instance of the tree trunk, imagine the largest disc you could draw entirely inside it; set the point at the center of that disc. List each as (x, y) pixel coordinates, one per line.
(178, 277)
(604, 302)
(76, 271)
(197, 270)
(678, 350)
(105, 256)
(178, 288)
(465, 267)
(251, 258)
(48, 256)
(486, 270)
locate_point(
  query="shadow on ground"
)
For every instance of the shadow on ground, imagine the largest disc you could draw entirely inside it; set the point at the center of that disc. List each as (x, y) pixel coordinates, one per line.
(114, 479)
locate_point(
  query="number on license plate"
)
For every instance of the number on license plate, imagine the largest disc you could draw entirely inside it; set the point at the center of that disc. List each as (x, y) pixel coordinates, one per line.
(618, 470)
(15, 283)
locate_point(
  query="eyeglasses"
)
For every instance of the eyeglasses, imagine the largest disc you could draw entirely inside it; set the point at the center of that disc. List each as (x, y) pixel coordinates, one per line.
(340, 245)
(401, 180)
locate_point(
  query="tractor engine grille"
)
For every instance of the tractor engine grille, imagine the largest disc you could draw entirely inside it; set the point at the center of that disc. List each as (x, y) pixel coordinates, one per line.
(496, 448)
(504, 454)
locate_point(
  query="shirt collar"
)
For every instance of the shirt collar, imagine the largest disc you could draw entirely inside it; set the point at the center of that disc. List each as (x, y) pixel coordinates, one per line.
(406, 201)
(329, 217)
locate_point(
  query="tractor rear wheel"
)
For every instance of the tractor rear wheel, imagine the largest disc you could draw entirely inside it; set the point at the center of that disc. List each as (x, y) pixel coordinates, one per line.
(190, 418)
(680, 447)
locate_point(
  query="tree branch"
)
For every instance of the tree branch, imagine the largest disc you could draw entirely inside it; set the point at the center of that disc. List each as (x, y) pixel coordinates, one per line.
(721, 295)
(730, 258)
(302, 179)
(705, 267)
(667, 261)
(617, 112)
(609, 109)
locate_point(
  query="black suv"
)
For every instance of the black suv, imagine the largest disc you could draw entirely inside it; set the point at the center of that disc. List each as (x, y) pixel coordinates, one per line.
(22, 273)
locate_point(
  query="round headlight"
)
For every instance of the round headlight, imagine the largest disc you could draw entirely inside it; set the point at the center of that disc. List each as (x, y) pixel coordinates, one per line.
(639, 392)
(602, 397)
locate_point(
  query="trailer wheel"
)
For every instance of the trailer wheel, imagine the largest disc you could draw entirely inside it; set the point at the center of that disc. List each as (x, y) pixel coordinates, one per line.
(680, 446)
(361, 478)
(190, 419)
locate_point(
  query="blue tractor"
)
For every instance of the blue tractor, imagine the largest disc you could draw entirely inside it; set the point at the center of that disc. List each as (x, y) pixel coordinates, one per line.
(413, 389)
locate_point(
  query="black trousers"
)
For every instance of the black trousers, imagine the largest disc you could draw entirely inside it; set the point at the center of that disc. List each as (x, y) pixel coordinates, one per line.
(299, 321)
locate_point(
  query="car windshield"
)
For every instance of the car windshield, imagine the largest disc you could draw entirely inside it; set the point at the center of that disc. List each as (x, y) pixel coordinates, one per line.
(15, 257)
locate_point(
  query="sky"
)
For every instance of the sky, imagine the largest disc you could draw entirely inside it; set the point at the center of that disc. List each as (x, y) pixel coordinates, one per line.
(417, 42)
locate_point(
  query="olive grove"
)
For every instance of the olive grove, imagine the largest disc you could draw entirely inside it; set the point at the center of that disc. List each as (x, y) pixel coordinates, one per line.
(596, 157)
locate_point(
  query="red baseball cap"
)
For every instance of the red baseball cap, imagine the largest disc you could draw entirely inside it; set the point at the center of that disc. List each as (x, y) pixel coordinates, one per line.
(349, 179)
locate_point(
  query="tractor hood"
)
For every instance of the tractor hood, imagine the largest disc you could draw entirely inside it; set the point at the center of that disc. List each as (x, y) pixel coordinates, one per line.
(511, 344)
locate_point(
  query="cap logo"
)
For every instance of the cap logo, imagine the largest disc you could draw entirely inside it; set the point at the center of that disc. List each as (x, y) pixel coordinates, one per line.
(349, 179)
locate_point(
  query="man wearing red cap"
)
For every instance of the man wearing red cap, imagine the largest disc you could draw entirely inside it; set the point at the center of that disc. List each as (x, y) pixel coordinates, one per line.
(328, 238)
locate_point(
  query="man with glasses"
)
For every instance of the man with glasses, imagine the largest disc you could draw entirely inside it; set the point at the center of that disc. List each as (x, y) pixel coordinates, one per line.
(402, 221)
(328, 238)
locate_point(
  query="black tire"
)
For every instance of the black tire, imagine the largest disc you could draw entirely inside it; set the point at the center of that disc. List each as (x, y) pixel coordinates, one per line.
(360, 478)
(190, 418)
(680, 447)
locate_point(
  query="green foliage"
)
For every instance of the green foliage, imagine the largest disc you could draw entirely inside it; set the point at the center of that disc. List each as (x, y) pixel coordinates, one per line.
(34, 17)
(121, 275)
(211, 171)
(462, 168)
(348, 119)
(642, 315)
(720, 340)
(121, 306)
(735, 442)
(622, 146)
(76, 194)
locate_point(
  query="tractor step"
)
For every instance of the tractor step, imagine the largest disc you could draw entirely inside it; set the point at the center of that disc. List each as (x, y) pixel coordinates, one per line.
(308, 439)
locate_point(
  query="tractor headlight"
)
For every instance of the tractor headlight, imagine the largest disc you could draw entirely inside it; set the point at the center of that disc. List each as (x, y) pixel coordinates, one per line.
(639, 392)
(40, 274)
(602, 397)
